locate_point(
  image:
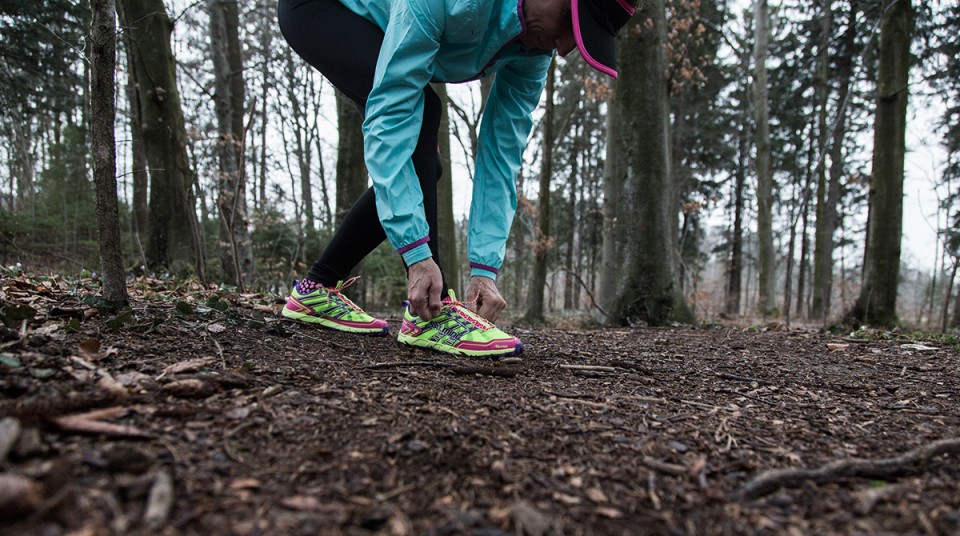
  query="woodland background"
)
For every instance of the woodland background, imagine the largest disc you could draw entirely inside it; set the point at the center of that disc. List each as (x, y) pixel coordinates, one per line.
(749, 163)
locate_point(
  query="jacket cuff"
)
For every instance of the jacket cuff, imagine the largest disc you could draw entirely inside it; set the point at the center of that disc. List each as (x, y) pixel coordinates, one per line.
(416, 251)
(477, 269)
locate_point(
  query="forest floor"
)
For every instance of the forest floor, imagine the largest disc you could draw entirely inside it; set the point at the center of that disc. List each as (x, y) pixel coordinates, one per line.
(204, 413)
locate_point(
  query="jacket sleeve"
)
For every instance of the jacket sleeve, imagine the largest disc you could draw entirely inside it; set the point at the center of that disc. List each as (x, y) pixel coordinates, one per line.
(394, 113)
(503, 136)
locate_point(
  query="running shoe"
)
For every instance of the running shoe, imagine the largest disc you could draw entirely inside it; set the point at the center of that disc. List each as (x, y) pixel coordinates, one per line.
(459, 331)
(312, 302)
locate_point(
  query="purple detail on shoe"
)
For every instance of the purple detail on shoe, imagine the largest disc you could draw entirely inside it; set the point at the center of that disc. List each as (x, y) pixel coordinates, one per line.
(306, 286)
(484, 267)
(410, 246)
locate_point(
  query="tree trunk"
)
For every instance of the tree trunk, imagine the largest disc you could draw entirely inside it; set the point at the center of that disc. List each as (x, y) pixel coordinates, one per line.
(735, 275)
(449, 258)
(236, 248)
(544, 242)
(767, 254)
(103, 52)
(172, 243)
(877, 303)
(644, 289)
(351, 169)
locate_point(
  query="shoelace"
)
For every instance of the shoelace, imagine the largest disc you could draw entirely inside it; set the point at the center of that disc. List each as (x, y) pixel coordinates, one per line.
(339, 288)
(462, 308)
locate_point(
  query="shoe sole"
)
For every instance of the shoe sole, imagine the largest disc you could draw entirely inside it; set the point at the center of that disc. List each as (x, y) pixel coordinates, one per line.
(450, 350)
(333, 325)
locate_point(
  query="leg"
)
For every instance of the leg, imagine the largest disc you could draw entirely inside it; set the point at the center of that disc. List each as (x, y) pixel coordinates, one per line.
(345, 47)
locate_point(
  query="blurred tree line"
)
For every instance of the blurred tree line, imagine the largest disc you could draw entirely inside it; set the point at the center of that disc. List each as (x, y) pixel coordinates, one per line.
(729, 172)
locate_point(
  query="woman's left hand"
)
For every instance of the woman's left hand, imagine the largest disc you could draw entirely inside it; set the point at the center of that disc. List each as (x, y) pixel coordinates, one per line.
(484, 298)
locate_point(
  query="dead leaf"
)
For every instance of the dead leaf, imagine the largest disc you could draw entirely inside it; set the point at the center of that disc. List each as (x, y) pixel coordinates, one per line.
(245, 483)
(597, 495)
(88, 425)
(836, 346)
(304, 503)
(611, 513)
(189, 388)
(160, 501)
(191, 365)
(90, 350)
(917, 347)
(18, 496)
(216, 328)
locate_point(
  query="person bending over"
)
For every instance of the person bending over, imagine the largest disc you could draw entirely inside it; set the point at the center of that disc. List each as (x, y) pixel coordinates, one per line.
(382, 54)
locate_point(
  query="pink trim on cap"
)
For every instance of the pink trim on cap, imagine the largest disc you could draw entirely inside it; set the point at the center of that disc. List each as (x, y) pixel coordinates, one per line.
(583, 48)
(627, 7)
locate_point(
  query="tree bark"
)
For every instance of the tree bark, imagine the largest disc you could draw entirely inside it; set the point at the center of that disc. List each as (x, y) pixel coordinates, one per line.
(236, 248)
(544, 242)
(767, 255)
(877, 303)
(102, 114)
(644, 288)
(351, 168)
(172, 243)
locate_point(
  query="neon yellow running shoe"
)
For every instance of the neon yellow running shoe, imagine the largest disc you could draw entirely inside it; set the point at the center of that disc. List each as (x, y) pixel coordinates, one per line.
(458, 331)
(317, 304)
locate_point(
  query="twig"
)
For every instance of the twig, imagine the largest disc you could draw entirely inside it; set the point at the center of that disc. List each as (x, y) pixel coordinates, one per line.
(664, 467)
(596, 368)
(503, 372)
(774, 479)
(736, 378)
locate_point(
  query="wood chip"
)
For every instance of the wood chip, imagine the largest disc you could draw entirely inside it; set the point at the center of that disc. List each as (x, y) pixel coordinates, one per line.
(191, 365)
(160, 501)
(9, 433)
(19, 496)
(304, 503)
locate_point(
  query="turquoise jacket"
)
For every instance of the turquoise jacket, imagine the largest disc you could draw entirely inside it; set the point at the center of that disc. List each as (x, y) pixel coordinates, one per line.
(449, 41)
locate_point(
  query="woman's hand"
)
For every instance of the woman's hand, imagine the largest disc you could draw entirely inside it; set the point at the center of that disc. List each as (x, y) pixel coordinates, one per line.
(486, 300)
(424, 284)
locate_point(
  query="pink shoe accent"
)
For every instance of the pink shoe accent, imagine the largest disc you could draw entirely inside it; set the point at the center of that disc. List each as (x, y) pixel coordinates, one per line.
(297, 306)
(409, 328)
(499, 344)
(375, 323)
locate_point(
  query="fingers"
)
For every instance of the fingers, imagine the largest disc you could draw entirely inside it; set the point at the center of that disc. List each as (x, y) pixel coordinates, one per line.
(424, 283)
(491, 307)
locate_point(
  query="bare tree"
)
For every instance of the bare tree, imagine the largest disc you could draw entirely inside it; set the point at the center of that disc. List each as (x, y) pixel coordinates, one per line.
(877, 303)
(643, 288)
(236, 248)
(768, 260)
(103, 52)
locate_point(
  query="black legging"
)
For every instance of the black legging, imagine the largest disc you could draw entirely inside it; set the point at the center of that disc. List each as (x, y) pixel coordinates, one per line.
(344, 47)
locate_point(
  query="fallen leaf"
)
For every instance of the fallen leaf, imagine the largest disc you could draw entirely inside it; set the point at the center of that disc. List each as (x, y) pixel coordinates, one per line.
(9, 434)
(18, 496)
(189, 388)
(160, 501)
(596, 495)
(835, 346)
(918, 347)
(245, 483)
(216, 328)
(612, 513)
(301, 502)
(190, 365)
(90, 349)
(77, 424)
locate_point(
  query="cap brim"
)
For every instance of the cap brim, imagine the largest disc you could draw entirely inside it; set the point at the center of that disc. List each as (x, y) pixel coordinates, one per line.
(596, 40)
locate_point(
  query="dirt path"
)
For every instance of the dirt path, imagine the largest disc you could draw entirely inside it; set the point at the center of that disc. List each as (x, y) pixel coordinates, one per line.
(214, 417)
